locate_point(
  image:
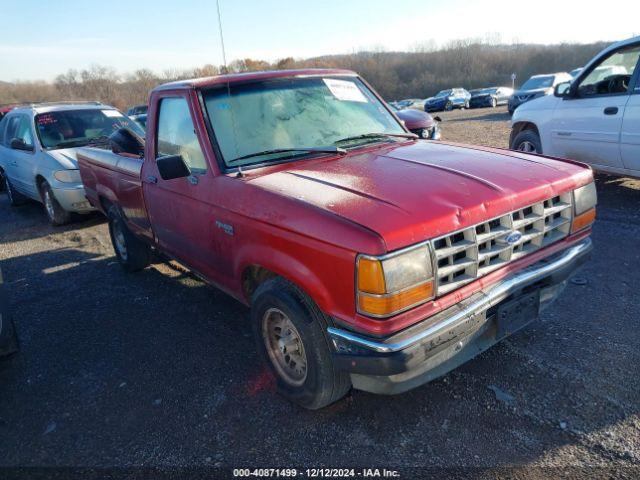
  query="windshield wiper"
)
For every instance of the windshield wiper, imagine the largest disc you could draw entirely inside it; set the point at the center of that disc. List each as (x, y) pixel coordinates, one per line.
(338, 150)
(375, 135)
(70, 144)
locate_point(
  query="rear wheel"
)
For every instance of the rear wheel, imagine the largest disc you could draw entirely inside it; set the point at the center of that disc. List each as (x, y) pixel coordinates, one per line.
(56, 214)
(466, 105)
(494, 102)
(291, 335)
(15, 197)
(132, 253)
(527, 141)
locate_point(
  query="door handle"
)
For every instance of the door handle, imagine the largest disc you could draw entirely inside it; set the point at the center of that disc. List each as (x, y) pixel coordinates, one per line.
(151, 179)
(611, 110)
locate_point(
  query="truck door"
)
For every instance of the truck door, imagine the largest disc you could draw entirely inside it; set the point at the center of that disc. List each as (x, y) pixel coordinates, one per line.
(630, 136)
(587, 127)
(180, 210)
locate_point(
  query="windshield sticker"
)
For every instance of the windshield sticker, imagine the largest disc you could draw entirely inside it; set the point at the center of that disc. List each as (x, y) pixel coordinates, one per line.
(111, 113)
(345, 90)
(46, 119)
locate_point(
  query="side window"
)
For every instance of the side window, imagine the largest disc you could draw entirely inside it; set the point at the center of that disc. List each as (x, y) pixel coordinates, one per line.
(18, 126)
(25, 133)
(612, 75)
(176, 134)
(12, 129)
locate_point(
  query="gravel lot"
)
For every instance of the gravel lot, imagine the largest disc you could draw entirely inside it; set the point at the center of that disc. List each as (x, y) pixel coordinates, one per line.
(156, 369)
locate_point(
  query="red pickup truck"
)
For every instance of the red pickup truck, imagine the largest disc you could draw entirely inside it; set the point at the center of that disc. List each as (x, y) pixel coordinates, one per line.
(371, 259)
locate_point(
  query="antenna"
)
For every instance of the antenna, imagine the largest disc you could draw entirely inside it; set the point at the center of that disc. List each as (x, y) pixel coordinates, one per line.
(224, 53)
(226, 71)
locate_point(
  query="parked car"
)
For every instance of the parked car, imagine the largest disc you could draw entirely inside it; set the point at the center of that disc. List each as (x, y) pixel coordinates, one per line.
(593, 119)
(8, 338)
(4, 109)
(448, 100)
(420, 123)
(37, 152)
(490, 97)
(137, 110)
(369, 258)
(141, 120)
(537, 86)
(414, 103)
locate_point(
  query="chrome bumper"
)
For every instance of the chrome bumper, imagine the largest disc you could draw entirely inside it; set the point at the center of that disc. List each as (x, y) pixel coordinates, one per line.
(494, 296)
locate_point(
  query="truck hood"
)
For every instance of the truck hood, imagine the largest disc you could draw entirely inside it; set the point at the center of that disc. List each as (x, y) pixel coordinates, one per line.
(66, 157)
(421, 190)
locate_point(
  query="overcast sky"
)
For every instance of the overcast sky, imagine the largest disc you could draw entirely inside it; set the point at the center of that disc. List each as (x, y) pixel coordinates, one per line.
(41, 39)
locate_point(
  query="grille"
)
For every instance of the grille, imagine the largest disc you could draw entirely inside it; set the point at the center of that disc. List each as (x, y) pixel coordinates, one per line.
(464, 256)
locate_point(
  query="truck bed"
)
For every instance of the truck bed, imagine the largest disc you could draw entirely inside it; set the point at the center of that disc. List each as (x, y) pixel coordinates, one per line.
(111, 178)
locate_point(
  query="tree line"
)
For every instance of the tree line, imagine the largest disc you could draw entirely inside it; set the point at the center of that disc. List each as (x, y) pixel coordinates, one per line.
(419, 73)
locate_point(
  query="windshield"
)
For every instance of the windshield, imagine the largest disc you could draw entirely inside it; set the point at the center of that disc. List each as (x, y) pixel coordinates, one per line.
(290, 113)
(76, 128)
(535, 83)
(443, 93)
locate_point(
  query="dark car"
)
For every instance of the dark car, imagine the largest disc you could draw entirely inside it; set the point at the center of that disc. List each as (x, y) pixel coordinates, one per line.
(490, 97)
(420, 123)
(140, 120)
(137, 110)
(8, 340)
(537, 86)
(447, 100)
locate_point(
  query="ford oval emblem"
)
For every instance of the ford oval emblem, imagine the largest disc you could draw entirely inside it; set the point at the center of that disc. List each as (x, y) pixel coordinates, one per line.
(513, 238)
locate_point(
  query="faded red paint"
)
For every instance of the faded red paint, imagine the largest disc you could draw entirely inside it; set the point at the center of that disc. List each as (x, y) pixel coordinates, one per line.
(307, 220)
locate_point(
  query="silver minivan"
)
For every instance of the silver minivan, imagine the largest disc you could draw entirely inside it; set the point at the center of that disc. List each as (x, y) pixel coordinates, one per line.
(38, 152)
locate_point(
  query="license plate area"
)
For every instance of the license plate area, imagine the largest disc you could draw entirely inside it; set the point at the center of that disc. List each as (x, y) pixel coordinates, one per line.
(515, 314)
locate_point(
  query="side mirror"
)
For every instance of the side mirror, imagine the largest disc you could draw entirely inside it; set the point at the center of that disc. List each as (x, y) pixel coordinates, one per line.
(172, 166)
(126, 141)
(19, 144)
(562, 90)
(437, 118)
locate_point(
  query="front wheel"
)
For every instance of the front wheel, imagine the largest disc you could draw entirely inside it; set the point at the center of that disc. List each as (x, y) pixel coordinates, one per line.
(291, 335)
(466, 105)
(527, 141)
(132, 253)
(494, 103)
(56, 214)
(448, 107)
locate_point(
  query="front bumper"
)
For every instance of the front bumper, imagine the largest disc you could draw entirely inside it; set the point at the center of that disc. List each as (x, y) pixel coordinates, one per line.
(73, 199)
(441, 343)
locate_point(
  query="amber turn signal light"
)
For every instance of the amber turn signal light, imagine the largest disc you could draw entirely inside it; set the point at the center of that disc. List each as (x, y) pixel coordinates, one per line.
(581, 222)
(384, 305)
(371, 276)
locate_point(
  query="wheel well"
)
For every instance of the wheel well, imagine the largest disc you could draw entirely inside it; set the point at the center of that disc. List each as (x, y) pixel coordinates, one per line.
(252, 277)
(521, 127)
(105, 204)
(39, 181)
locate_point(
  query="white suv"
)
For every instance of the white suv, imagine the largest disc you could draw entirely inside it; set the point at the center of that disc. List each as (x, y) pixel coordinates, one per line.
(593, 119)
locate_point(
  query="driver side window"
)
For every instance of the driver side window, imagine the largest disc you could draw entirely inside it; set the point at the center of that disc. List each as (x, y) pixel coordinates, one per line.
(177, 136)
(612, 75)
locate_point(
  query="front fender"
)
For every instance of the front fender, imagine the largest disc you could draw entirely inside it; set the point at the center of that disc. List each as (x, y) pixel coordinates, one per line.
(313, 279)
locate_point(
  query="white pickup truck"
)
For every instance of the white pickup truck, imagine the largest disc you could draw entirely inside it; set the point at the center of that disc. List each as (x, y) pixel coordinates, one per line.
(594, 120)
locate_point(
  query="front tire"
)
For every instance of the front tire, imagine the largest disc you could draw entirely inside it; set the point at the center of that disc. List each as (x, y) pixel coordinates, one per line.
(290, 333)
(448, 107)
(132, 253)
(56, 214)
(527, 141)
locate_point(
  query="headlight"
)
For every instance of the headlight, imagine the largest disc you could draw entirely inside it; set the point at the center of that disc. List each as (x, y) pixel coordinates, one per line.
(68, 176)
(394, 283)
(584, 204)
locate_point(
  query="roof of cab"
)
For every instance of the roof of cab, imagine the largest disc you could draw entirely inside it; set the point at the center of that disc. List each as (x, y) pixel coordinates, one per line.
(249, 76)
